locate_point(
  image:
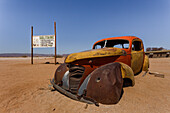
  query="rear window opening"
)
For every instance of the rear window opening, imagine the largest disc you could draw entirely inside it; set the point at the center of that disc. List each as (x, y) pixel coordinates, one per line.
(124, 44)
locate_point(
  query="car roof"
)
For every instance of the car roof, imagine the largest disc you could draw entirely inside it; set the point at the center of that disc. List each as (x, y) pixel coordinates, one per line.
(130, 38)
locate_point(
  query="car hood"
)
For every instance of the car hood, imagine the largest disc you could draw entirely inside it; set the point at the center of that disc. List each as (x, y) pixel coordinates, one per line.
(104, 52)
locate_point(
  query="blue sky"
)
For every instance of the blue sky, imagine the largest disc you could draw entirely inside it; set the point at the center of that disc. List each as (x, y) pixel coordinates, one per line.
(80, 23)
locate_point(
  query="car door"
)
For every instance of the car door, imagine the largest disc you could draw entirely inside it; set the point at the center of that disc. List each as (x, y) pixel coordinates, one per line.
(137, 55)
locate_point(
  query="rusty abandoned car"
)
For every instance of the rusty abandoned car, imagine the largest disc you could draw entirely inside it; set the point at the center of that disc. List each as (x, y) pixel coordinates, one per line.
(99, 75)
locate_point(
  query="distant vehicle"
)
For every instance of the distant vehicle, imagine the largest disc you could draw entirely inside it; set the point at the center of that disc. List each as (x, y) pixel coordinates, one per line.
(99, 75)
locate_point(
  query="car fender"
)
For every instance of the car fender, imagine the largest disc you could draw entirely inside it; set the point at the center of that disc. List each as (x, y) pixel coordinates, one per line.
(145, 64)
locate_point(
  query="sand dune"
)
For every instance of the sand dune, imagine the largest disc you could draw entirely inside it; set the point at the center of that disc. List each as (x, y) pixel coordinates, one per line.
(25, 89)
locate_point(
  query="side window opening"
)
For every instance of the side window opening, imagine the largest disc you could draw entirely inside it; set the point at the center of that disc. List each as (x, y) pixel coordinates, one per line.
(136, 46)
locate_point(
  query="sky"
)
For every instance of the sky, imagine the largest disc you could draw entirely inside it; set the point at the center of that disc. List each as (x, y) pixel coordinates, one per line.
(80, 23)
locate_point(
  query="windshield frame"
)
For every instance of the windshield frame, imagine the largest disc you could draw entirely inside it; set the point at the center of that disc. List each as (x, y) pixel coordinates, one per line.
(106, 41)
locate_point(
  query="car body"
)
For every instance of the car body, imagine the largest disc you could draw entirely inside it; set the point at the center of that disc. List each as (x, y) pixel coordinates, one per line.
(99, 75)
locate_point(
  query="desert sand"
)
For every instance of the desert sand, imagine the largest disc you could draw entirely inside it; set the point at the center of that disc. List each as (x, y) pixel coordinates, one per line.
(25, 88)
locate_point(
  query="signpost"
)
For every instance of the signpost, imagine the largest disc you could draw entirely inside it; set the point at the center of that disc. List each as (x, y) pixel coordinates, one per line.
(31, 44)
(55, 41)
(43, 41)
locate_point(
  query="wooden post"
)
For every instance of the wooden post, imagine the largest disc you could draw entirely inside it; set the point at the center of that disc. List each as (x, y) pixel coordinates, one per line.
(31, 44)
(55, 41)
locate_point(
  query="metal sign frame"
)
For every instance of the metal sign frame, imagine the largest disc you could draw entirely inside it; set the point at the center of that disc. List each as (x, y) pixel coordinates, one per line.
(32, 43)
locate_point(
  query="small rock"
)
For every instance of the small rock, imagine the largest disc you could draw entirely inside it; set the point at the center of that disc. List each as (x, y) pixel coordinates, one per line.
(86, 106)
(47, 63)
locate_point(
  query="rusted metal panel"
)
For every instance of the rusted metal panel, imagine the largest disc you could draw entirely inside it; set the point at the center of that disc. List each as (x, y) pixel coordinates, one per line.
(60, 71)
(68, 94)
(106, 83)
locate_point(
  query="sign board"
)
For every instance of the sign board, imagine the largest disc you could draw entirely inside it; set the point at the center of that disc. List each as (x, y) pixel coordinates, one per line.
(43, 41)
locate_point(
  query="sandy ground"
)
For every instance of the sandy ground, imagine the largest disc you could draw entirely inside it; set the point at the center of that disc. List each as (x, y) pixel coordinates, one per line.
(24, 88)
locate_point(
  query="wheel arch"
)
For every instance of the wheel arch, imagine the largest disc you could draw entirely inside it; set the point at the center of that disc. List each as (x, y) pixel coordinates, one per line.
(127, 73)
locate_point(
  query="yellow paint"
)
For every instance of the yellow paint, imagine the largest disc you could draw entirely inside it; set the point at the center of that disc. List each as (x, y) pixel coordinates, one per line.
(127, 72)
(137, 59)
(104, 52)
(146, 64)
